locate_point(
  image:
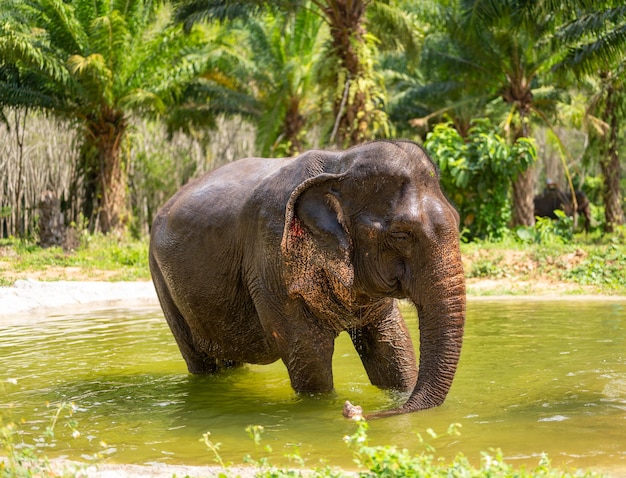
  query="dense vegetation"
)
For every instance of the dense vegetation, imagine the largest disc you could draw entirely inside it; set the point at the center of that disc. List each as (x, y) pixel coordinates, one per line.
(112, 105)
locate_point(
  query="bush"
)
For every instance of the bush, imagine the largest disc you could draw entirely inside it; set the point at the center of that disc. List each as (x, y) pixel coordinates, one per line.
(476, 173)
(548, 231)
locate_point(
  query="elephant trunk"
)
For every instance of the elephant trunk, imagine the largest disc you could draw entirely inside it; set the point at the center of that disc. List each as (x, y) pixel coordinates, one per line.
(440, 303)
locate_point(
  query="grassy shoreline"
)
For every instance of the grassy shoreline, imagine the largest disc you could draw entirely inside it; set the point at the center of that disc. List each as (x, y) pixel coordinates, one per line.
(505, 268)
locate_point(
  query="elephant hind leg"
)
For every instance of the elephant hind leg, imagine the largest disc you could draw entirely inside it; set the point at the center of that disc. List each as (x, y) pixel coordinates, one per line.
(211, 365)
(198, 361)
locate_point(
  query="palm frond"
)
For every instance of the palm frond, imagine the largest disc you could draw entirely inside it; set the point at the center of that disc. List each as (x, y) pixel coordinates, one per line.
(143, 101)
(591, 24)
(395, 28)
(198, 11)
(59, 20)
(18, 48)
(599, 41)
(93, 67)
(605, 53)
(477, 14)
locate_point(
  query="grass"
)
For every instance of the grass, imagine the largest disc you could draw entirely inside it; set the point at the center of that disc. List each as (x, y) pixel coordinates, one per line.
(98, 257)
(587, 264)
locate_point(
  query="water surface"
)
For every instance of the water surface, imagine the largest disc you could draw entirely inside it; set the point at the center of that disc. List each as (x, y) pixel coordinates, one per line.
(535, 377)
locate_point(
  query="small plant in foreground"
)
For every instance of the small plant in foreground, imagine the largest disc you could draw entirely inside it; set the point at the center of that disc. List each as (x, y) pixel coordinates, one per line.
(390, 461)
(24, 459)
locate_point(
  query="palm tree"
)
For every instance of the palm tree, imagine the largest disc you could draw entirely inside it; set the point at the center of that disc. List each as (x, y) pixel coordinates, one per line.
(284, 53)
(598, 35)
(494, 55)
(356, 92)
(96, 62)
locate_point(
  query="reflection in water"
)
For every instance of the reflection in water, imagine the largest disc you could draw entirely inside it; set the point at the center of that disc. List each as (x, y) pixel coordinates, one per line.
(535, 376)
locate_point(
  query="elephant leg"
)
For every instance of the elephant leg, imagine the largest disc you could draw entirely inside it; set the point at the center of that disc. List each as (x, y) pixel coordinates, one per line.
(308, 359)
(387, 352)
(198, 362)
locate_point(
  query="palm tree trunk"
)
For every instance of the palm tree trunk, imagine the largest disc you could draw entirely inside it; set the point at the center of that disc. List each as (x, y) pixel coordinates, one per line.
(519, 94)
(293, 126)
(105, 135)
(609, 164)
(347, 29)
(523, 194)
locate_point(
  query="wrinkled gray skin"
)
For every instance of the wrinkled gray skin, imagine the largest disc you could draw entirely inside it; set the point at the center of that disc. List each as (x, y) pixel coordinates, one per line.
(267, 259)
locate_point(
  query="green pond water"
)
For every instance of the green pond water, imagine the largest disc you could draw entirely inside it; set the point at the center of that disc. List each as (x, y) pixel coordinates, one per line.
(535, 376)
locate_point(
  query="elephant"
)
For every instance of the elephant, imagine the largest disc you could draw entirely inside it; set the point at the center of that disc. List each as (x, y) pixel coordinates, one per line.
(553, 199)
(267, 259)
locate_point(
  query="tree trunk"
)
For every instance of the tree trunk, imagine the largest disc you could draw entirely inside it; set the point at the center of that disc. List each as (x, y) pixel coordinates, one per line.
(294, 123)
(519, 93)
(347, 29)
(51, 223)
(609, 164)
(523, 194)
(105, 134)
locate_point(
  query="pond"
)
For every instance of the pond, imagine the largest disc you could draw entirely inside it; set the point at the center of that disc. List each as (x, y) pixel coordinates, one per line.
(535, 377)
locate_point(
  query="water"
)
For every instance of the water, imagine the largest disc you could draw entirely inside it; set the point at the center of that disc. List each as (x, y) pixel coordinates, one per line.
(534, 377)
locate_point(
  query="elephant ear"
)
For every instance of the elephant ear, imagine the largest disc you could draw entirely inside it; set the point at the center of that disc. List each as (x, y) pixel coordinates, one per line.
(316, 244)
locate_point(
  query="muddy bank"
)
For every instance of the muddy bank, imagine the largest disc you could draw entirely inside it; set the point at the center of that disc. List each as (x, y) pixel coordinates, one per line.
(28, 296)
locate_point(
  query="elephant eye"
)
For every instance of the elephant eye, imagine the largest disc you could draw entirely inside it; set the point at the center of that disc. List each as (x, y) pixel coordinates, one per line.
(400, 236)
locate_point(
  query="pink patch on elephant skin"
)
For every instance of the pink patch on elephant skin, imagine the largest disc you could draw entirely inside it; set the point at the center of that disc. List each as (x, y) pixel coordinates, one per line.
(295, 228)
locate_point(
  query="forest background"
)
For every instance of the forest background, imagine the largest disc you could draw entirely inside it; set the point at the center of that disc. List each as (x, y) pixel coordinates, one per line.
(108, 106)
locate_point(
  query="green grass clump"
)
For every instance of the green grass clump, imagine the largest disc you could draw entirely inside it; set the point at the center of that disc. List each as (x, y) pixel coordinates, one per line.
(124, 258)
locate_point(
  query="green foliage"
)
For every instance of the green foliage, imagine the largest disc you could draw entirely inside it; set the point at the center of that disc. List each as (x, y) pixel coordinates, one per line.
(548, 231)
(487, 267)
(604, 267)
(127, 259)
(476, 173)
(597, 267)
(390, 461)
(284, 53)
(96, 63)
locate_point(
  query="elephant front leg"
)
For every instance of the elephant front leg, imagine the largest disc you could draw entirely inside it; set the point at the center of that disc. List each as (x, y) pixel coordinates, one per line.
(308, 359)
(387, 352)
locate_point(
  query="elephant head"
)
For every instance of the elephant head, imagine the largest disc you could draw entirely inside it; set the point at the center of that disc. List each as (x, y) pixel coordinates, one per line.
(375, 225)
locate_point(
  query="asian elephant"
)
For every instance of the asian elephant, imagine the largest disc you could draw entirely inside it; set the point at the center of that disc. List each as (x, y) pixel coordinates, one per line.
(552, 199)
(267, 259)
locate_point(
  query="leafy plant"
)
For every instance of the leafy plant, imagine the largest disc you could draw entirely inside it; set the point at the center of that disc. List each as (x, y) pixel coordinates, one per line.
(390, 461)
(605, 267)
(548, 231)
(486, 267)
(476, 173)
